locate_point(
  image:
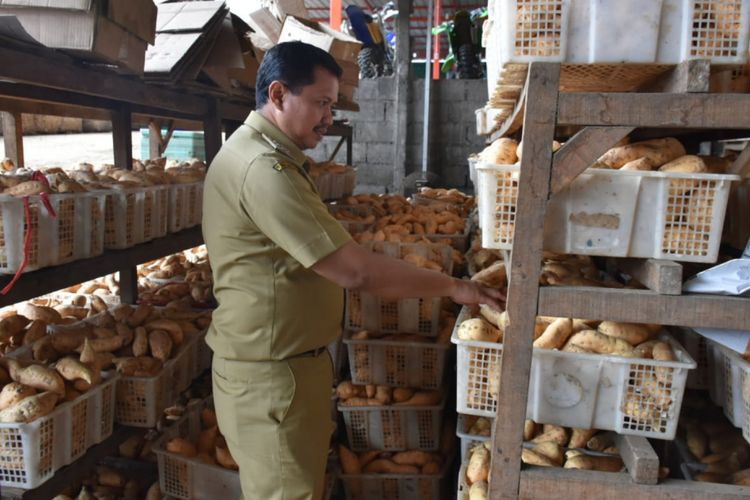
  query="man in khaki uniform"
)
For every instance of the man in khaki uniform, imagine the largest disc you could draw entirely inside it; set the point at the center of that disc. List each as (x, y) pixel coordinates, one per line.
(280, 262)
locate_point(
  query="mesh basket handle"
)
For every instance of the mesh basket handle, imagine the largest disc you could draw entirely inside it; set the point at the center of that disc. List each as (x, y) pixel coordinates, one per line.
(28, 236)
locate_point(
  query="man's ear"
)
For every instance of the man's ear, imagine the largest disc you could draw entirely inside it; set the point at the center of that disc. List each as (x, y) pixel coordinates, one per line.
(276, 94)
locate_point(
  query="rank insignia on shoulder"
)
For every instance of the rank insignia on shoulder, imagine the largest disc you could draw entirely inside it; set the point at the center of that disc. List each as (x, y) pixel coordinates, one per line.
(279, 166)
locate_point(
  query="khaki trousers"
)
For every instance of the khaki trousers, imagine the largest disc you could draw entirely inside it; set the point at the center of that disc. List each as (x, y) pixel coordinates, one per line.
(276, 418)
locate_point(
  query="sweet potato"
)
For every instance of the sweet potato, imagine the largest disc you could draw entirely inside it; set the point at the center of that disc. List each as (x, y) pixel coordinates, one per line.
(170, 326)
(657, 152)
(107, 476)
(13, 393)
(431, 468)
(496, 318)
(141, 366)
(68, 340)
(4, 376)
(207, 439)
(71, 369)
(479, 465)
(124, 331)
(225, 458)
(690, 164)
(530, 429)
(35, 312)
(384, 394)
(140, 342)
(349, 461)
(208, 418)
(37, 376)
(68, 311)
(601, 343)
(478, 329)
(30, 408)
(645, 349)
(502, 151)
(551, 450)
(638, 164)
(385, 466)
(36, 330)
(424, 398)
(587, 462)
(121, 312)
(11, 327)
(579, 437)
(553, 433)
(663, 352)
(531, 457)
(418, 458)
(346, 390)
(131, 446)
(43, 351)
(160, 344)
(479, 490)
(401, 394)
(139, 315)
(555, 335)
(632, 333)
(181, 447)
(697, 441)
(154, 492)
(601, 441)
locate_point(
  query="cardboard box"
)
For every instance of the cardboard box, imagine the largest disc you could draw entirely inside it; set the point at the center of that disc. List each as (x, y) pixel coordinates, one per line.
(184, 17)
(350, 74)
(225, 55)
(136, 16)
(347, 91)
(81, 31)
(248, 74)
(337, 44)
(50, 4)
(265, 24)
(283, 8)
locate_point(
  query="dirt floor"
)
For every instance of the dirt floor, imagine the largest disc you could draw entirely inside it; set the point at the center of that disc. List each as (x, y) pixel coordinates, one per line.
(67, 150)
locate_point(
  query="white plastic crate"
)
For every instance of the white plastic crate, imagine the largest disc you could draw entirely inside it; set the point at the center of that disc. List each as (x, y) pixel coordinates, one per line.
(716, 30)
(142, 400)
(396, 486)
(716, 369)
(587, 391)
(31, 453)
(736, 387)
(467, 440)
(396, 363)
(353, 226)
(365, 311)
(75, 232)
(333, 186)
(697, 346)
(394, 427)
(615, 213)
(530, 30)
(473, 170)
(185, 205)
(135, 215)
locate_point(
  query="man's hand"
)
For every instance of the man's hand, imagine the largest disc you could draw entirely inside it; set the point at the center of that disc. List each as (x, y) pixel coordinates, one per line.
(471, 293)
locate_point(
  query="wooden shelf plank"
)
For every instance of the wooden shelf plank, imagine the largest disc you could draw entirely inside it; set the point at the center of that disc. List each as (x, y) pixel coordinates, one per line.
(550, 482)
(54, 278)
(717, 111)
(645, 306)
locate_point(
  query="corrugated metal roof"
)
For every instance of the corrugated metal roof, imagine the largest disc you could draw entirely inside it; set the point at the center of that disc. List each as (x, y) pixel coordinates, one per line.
(319, 10)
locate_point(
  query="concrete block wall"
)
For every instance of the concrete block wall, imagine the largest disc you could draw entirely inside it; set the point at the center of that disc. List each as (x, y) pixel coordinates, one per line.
(452, 127)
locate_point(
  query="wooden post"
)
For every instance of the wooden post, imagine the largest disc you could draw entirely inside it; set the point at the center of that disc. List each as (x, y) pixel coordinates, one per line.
(122, 141)
(523, 291)
(661, 276)
(13, 137)
(639, 457)
(403, 69)
(212, 131)
(157, 144)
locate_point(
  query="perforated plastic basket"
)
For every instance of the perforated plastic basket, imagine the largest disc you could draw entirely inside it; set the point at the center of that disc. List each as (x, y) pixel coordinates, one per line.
(531, 30)
(185, 205)
(393, 427)
(141, 400)
(358, 211)
(31, 453)
(135, 215)
(365, 311)
(333, 186)
(697, 346)
(397, 363)
(468, 440)
(74, 232)
(587, 391)
(615, 213)
(396, 486)
(716, 30)
(735, 379)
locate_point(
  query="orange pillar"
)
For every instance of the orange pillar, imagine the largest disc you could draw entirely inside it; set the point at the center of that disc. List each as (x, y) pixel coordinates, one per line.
(335, 14)
(436, 41)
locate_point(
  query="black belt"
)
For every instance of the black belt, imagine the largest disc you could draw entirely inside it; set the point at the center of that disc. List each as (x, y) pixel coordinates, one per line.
(312, 353)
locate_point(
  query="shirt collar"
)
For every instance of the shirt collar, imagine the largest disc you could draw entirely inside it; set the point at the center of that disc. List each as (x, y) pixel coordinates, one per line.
(276, 138)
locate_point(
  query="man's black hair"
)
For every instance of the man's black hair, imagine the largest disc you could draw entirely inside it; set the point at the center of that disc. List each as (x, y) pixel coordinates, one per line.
(293, 64)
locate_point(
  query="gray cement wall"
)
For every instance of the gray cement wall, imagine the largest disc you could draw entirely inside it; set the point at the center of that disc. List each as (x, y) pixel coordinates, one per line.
(452, 129)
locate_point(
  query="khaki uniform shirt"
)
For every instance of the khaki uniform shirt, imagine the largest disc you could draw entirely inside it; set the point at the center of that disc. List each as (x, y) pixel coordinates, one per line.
(264, 225)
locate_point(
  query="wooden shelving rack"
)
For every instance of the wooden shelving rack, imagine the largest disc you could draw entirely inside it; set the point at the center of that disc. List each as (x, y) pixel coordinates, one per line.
(681, 102)
(42, 81)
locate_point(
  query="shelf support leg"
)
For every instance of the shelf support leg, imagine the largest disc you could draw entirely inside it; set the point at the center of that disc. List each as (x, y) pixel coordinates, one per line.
(212, 131)
(13, 137)
(534, 184)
